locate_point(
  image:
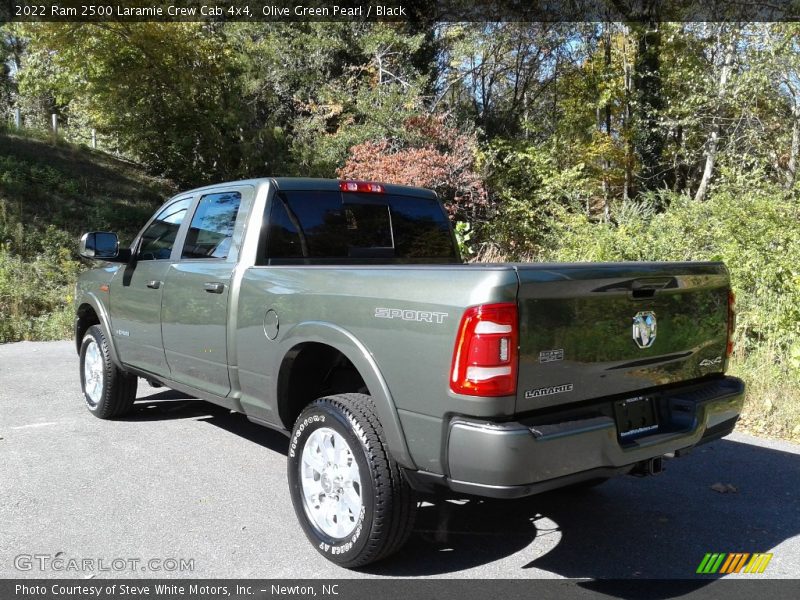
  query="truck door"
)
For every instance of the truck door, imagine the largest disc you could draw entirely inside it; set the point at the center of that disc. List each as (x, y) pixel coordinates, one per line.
(136, 291)
(194, 312)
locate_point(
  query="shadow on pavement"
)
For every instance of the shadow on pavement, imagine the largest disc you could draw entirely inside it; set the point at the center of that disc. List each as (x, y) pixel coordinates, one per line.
(170, 404)
(629, 528)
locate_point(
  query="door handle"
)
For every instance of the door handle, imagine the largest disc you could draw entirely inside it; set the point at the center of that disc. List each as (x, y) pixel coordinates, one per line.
(155, 284)
(214, 287)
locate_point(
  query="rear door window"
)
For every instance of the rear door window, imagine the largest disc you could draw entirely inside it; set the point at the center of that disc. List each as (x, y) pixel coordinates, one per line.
(211, 230)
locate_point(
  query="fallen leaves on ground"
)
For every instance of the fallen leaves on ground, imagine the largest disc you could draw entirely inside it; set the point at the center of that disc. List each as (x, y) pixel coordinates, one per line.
(724, 488)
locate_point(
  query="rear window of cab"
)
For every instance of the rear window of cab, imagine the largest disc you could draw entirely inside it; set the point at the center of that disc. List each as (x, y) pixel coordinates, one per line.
(328, 227)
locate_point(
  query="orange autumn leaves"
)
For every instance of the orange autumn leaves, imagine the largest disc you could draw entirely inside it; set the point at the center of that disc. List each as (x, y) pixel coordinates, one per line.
(432, 155)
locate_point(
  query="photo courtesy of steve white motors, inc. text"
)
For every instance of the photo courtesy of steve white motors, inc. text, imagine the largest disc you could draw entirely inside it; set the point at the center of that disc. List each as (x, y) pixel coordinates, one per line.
(170, 590)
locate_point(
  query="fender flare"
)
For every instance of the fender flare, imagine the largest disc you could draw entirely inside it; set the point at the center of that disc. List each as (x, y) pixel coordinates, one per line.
(99, 309)
(362, 359)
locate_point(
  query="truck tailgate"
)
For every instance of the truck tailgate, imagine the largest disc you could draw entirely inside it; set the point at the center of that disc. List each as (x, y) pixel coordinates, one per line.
(594, 330)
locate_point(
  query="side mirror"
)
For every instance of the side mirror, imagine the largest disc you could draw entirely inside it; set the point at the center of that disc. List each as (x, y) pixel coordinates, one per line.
(100, 245)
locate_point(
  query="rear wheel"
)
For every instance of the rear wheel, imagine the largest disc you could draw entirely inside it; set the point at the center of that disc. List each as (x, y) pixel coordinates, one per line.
(109, 391)
(349, 494)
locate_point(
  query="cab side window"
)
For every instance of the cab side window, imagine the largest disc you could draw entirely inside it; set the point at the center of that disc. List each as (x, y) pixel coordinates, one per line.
(211, 230)
(159, 237)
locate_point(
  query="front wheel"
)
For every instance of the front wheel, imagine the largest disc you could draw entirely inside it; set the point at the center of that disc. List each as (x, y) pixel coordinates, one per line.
(349, 494)
(109, 391)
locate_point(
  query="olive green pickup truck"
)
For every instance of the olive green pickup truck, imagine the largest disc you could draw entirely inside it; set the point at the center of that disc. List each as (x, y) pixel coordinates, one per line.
(340, 313)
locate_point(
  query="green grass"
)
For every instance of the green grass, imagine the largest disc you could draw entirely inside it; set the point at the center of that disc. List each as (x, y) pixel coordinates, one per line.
(772, 406)
(50, 193)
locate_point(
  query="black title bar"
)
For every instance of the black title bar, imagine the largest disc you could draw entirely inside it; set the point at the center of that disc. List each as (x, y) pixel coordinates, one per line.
(401, 10)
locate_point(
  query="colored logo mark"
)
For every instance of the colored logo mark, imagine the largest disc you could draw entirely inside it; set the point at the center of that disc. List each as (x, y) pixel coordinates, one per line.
(734, 562)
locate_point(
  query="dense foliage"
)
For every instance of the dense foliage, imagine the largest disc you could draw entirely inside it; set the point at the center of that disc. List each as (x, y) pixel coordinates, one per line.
(619, 110)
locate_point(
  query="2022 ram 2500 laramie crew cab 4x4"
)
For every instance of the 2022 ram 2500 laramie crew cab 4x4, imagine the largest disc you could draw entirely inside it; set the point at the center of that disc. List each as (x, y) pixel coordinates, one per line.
(339, 313)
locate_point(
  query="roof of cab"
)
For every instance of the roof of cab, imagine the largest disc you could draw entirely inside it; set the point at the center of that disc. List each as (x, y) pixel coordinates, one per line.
(317, 184)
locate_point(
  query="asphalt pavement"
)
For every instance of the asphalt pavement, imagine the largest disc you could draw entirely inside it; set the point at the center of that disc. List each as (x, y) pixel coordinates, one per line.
(182, 488)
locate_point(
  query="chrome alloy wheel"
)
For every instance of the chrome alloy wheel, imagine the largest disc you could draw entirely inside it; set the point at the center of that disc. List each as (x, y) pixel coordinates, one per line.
(331, 483)
(93, 372)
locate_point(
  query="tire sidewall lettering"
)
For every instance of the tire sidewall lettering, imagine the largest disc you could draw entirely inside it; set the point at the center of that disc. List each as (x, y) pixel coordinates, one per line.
(348, 544)
(300, 429)
(355, 436)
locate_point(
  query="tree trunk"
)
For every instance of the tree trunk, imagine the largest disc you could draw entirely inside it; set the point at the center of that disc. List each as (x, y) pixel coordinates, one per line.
(712, 145)
(554, 118)
(626, 123)
(791, 167)
(649, 140)
(678, 163)
(607, 162)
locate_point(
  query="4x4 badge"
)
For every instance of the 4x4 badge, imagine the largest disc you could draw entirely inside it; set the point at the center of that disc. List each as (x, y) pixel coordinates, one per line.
(644, 328)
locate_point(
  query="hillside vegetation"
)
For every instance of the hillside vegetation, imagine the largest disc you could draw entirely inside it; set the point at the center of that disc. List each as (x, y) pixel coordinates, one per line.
(49, 195)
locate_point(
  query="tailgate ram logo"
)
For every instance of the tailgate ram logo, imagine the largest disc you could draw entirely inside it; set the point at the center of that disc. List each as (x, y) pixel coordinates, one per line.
(644, 328)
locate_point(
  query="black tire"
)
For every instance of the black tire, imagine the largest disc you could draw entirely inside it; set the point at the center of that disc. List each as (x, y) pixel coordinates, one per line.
(117, 388)
(388, 503)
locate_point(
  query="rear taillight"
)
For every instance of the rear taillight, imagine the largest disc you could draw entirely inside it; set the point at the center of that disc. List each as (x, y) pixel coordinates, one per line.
(361, 186)
(731, 322)
(485, 356)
